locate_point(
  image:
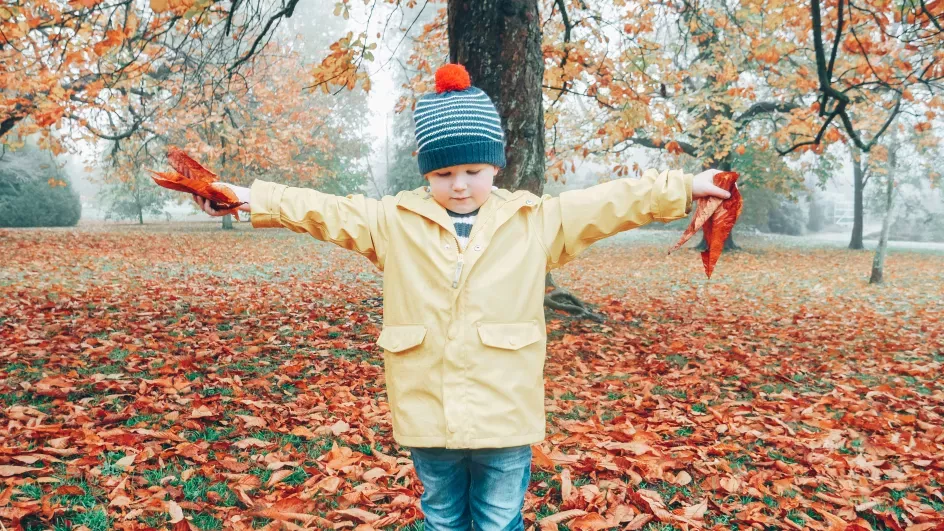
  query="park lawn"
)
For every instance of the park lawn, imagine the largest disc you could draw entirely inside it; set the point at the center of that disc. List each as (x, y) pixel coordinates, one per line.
(232, 378)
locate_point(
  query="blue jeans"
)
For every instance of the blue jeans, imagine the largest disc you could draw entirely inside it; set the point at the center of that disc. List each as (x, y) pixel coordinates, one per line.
(483, 486)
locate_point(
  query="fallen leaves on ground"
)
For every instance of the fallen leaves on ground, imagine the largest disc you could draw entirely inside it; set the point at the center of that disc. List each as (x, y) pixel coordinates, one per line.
(142, 387)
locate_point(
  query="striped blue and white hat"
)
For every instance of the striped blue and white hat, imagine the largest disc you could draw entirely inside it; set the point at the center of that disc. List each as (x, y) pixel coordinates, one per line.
(458, 124)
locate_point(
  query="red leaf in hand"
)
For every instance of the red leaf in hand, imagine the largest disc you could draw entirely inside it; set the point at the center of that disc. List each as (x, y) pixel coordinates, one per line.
(189, 176)
(716, 218)
(188, 167)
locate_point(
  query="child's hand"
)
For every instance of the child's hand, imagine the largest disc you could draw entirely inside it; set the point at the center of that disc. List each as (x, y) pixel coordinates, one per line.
(703, 186)
(241, 192)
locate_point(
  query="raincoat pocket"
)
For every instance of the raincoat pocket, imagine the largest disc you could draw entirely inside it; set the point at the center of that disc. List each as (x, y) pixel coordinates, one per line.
(400, 338)
(510, 336)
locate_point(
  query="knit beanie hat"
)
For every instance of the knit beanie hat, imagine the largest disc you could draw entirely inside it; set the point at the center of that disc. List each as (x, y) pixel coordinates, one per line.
(458, 124)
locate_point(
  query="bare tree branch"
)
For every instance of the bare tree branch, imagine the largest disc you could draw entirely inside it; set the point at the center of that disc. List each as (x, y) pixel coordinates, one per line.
(286, 12)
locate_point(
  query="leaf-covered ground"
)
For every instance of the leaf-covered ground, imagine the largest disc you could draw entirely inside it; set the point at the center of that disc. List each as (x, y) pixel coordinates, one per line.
(214, 379)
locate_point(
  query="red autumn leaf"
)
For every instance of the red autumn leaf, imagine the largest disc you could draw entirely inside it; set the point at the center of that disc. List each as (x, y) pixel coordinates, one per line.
(540, 459)
(189, 168)
(716, 217)
(189, 176)
(549, 523)
(10, 470)
(176, 513)
(69, 490)
(589, 522)
(359, 514)
(638, 522)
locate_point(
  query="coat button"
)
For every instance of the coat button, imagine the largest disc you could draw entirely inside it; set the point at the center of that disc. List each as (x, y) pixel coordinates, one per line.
(529, 202)
(446, 247)
(512, 342)
(451, 427)
(478, 247)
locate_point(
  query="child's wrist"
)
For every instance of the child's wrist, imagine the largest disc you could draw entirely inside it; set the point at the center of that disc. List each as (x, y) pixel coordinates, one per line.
(243, 194)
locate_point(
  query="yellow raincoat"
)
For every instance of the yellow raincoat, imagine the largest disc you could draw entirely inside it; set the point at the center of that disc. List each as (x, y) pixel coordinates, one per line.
(464, 337)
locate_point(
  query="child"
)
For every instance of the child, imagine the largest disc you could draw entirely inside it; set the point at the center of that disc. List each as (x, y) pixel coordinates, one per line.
(464, 265)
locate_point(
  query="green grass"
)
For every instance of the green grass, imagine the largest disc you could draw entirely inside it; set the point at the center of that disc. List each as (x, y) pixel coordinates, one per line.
(258, 522)
(31, 490)
(109, 468)
(774, 454)
(208, 434)
(95, 520)
(542, 476)
(118, 354)
(207, 521)
(297, 477)
(262, 473)
(227, 496)
(897, 495)
(138, 419)
(659, 526)
(156, 520)
(154, 476)
(216, 391)
(738, 462)
(797, 517)
(666, 489)
(351, 354)
(681, 394)
(85, 500)
(89, 370)
(195, 488)
(582, 480)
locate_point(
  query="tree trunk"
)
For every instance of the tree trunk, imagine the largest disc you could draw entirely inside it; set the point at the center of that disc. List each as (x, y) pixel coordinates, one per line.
(878, 262)
(499, 43)
(140, 216)
(228, 222)
(729, 244)
(858, 173)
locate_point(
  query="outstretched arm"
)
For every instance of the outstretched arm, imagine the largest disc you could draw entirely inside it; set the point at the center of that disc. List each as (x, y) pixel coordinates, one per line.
(576, 219)
(354, 222)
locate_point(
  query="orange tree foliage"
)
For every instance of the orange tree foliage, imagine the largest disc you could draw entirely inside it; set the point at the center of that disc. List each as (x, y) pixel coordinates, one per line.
(705, 79)
(85, 59)
(142, 75)
(142, 386)
(714, 80)
(260, 124)
(874, 61)
(686, 78)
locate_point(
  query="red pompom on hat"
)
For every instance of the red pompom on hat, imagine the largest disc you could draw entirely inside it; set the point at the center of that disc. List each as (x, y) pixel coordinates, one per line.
(452, 77)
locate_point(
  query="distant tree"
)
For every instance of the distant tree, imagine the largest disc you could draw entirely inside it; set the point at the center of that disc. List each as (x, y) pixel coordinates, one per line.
(132, 199)
(34, 192)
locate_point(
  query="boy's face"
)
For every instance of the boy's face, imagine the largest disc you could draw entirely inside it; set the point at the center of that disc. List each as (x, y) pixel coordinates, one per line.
(463, 188)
